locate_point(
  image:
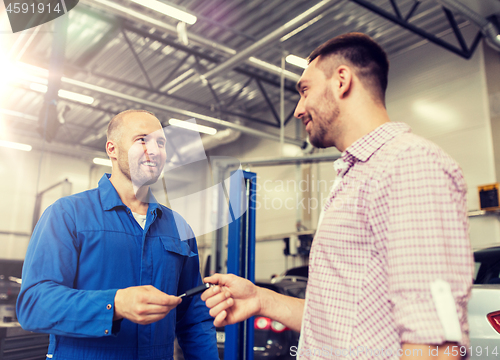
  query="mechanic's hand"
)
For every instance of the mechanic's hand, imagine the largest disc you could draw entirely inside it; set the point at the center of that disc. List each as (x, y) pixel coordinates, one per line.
(143, 304)
(234, 299)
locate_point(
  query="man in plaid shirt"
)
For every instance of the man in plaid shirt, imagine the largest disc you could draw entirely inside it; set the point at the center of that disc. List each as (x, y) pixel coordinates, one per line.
(390, 268)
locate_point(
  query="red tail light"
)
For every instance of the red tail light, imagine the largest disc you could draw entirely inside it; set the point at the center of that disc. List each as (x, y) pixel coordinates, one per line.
(494, 319)
(278, 327)
(264, 323)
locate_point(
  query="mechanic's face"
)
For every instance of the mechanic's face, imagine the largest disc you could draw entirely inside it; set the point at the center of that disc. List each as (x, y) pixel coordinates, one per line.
(317, 108)
(141, 148)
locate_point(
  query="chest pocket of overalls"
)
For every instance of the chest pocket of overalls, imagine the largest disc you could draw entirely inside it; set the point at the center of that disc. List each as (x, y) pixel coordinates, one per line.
(175, 254)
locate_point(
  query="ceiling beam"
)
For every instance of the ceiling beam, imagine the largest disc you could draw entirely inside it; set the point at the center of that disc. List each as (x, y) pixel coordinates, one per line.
(269, 39)
(465, 53)
(272, 37)
(224, 111)
(190, 114)
(136, 57)
(205, 56)
(137, 17)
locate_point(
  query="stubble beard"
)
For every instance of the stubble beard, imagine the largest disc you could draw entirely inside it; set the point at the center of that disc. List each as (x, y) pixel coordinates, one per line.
(124, 167)
(137, 177)
(142, 177)
(325, 120)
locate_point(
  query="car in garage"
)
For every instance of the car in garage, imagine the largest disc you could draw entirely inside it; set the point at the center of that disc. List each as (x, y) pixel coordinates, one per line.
(272, 339)
(484, 305)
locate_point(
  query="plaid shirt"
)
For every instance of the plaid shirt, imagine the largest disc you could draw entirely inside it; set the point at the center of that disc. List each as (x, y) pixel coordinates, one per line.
(396, 223)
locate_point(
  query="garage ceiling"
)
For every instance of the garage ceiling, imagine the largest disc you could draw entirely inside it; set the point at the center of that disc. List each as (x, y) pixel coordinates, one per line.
(126, 56)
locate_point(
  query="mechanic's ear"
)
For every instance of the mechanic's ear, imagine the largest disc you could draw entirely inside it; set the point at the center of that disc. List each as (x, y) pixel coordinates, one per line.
(111, 149)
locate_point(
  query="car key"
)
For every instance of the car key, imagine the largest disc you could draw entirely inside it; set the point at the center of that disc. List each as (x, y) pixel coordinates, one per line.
(196, 290)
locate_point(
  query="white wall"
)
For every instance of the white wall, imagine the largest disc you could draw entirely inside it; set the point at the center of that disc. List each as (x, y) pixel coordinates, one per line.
(19, 172)
(444, 98)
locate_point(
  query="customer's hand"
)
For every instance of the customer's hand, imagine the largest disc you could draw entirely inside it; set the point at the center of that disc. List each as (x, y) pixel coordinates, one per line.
(234, 299)
(143, 304)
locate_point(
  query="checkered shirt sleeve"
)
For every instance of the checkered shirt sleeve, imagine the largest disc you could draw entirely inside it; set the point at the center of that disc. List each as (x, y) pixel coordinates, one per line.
(420, 211)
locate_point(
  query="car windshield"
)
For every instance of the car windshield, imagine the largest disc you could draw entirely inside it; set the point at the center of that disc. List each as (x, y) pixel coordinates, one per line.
(487, 266)
(290, 288)
(477, 265)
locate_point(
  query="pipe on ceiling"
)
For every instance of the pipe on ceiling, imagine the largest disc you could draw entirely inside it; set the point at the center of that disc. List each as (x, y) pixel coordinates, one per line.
(488, 29)
(209, 142)
(222, 137)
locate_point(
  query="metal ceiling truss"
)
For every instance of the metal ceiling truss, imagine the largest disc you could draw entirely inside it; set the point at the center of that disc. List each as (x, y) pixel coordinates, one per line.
(238, 93)
(170, 76)
(200, 69)
(184, 112)
(201, 55)
(92, 52)
(92, 129)
(171, 109)
(33, 120)
(290, 116)
(214, 94)
(137, 59)
(221, 106)
(269, 102)
(175, 97)
(73, 102)
(224, 61)
(464, 51)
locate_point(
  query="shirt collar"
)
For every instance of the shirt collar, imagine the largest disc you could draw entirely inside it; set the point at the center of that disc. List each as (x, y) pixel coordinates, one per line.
(110, 198)
(363, 148)
(340, 166)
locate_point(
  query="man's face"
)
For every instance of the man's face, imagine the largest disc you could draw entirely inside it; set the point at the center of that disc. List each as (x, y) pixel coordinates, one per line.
(317, 107)
(141, 149)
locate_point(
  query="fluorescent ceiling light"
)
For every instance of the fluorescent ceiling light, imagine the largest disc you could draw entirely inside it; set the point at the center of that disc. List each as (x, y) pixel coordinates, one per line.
(297, 61)
(64, 94)
(191, 126)
(13, 145)
(291, 75)
(104, 162)
(168, 10)
(76, 97)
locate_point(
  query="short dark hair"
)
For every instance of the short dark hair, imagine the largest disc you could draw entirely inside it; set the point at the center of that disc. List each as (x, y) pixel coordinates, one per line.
(361, 51)
(113, 132)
